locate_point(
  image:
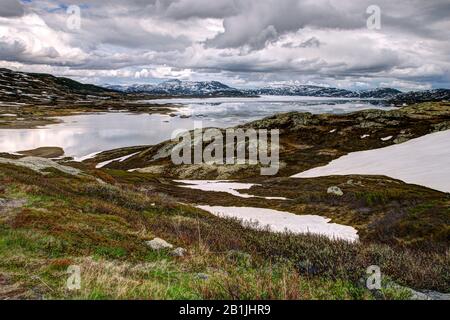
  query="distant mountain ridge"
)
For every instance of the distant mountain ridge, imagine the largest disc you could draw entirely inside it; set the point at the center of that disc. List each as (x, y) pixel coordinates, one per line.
(39, 88)
(318, 91)
(215, 88)
(182, 88)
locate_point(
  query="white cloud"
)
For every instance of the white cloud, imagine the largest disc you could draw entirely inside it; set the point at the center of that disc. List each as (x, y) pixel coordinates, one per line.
(241, 42)
(35, 41)
(162, 72)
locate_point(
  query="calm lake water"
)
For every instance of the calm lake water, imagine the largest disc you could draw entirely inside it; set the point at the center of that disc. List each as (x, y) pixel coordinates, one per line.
(81, 135)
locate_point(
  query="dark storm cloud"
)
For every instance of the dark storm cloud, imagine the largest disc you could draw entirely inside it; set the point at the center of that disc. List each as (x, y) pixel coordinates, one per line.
(187, 9)
(258, 40)
(312, 42)
(11, 51)
(11, 8)
(244, 28)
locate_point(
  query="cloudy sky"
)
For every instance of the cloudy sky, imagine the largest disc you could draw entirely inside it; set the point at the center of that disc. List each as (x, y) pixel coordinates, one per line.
(243, 43)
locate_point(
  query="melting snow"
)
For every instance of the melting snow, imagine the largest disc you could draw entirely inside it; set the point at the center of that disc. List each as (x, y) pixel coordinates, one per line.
(280, 221)
(424, 161)
(86, 157)
(223, 186)
(121, 159)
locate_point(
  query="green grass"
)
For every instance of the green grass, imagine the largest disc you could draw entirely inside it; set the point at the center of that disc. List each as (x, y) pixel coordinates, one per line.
(103, 228)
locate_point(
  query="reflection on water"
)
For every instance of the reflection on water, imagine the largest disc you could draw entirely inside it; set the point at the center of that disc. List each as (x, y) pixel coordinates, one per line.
(236, 109)
(82, 135)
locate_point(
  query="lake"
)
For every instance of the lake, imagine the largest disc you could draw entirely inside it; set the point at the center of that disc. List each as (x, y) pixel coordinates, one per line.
(81, 135)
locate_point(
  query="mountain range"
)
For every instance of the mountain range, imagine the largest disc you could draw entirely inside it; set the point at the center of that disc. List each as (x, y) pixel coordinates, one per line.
(215, 88)
(38, 88)
(317, 91)
(181, 88)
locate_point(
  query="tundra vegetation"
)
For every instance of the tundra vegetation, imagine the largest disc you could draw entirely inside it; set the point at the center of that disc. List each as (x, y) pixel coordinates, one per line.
(103, 220)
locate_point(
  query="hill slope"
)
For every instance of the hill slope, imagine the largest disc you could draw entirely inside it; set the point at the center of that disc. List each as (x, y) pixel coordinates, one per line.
(39, 88)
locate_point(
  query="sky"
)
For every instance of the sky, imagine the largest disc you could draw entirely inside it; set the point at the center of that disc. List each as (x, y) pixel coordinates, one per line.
(404, 44)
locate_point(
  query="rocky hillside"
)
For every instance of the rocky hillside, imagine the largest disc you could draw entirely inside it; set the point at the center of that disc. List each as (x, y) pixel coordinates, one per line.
(40, 88)
(422, 96)
(306, 141)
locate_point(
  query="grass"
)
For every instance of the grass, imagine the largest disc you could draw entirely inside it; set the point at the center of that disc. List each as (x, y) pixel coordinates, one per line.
(384, 210)
(103, 228)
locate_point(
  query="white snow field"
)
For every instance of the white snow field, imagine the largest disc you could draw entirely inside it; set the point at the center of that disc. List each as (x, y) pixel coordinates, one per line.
(280, 221)
(223, 186)
(423, 161)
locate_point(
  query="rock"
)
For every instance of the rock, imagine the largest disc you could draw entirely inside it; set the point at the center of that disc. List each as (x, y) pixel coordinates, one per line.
(179, 252)
(335, 191)
(355, 183)
(158, 244)
(402, 138)
(40, 164)
(202, 276)
(44, 152)
(441, 126)
(369, 124)
(157, 169)
(434, 295)
(8, 204)
(420, 295)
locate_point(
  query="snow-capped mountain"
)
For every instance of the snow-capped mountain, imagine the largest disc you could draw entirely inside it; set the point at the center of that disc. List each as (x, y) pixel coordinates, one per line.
(182, 88)
(135, 88)
(300, 90)
(44, 88)
(215, 88)
(379, 93)
(317, 91)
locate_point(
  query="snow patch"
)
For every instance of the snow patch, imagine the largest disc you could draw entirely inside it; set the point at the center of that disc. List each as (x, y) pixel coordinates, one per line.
(86, 157)
(223, 186)
(121, 159)
(280, 221)
(424, 161)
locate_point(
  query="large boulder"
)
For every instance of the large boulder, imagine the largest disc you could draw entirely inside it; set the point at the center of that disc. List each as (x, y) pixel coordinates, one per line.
(158, 244)
(335, 191)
